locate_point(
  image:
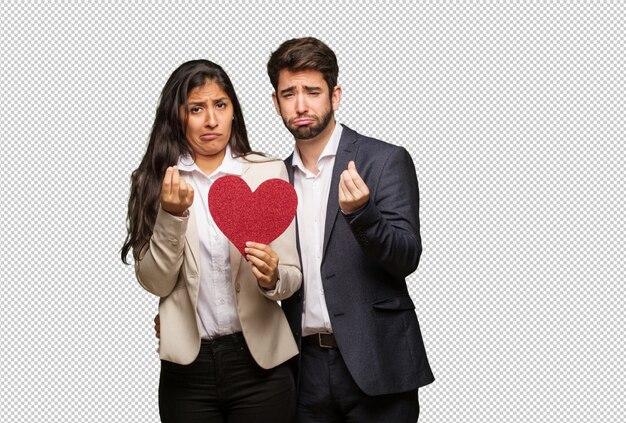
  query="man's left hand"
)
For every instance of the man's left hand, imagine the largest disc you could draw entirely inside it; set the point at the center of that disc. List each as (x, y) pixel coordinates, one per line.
(353, 192)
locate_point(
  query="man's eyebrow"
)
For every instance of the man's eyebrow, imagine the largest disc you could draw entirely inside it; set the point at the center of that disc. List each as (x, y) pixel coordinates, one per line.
(286, 90)
(306, 87)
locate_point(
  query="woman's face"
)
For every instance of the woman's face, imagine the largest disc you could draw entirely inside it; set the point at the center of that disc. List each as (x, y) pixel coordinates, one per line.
(209, 121)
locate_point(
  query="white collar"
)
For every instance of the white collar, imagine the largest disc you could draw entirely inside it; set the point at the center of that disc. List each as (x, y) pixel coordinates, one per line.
(230, 165)
(329, 151)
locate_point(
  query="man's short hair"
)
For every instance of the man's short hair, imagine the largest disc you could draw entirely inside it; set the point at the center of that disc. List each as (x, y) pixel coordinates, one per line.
(300, 54)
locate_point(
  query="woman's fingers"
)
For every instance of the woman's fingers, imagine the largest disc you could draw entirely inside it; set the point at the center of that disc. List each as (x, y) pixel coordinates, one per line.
(176, 193)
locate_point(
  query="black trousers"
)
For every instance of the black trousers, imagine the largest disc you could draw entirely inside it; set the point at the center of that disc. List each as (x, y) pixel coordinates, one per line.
(224, 384)
(328, 394)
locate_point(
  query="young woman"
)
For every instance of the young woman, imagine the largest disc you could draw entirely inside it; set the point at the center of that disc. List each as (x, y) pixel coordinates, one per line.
(224, 340)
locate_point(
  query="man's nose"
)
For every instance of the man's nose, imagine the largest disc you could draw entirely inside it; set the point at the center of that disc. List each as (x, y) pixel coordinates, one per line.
(301, 104)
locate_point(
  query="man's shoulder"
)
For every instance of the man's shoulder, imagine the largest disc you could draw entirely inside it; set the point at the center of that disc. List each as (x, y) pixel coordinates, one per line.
(368, 143)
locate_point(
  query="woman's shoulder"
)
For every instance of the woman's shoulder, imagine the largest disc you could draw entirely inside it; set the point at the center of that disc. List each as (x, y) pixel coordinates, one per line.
(259, 160)
(268, 166)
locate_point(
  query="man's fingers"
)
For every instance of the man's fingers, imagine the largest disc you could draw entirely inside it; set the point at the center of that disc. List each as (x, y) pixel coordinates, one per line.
(353, 191)
(352, 169)
(349, 184)
(344, 194)
(356, 178)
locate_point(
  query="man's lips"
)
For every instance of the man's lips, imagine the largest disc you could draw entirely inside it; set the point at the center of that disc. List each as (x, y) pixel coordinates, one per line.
(303, 121)
(209, 136)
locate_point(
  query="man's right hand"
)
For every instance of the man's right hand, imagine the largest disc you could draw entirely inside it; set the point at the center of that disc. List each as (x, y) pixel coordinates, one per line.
(157, 326)
(176, 194)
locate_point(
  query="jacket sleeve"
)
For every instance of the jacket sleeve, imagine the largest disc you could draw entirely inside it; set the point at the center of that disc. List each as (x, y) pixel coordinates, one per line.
(387, 227)
(290, 276)
(161, 259)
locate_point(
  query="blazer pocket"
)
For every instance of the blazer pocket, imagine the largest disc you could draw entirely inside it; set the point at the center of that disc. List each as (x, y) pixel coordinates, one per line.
(398, 302)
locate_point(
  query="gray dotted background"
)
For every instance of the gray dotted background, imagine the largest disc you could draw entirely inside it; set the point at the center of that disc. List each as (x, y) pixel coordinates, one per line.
(513, 111)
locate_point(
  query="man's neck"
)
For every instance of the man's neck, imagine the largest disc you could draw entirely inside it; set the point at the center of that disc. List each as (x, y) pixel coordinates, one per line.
(310, 150)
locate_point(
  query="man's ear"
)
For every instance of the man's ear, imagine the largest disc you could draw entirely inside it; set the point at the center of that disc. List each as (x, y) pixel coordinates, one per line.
(276, 105)
(336, 97)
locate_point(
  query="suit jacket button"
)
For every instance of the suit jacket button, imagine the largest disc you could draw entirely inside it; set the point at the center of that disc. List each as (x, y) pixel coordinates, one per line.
(237, 287)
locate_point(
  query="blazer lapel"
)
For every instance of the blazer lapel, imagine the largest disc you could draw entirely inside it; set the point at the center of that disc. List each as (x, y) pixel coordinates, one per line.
(289, 166)
(290, 173)
(346, 151)
(193, 242)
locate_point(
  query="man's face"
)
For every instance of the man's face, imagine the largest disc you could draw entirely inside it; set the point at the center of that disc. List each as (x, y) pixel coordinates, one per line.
(303, 101)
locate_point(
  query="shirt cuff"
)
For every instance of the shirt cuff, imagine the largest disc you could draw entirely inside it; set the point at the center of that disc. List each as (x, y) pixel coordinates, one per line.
(356, 213)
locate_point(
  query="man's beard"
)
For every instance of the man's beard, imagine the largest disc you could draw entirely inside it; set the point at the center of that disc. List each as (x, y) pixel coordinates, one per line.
(309, 131)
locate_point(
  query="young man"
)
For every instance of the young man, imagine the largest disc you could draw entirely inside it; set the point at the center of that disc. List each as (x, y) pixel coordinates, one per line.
(361, 358)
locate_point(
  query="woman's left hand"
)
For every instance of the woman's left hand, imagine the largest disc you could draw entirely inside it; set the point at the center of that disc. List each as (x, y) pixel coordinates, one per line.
(264, 262)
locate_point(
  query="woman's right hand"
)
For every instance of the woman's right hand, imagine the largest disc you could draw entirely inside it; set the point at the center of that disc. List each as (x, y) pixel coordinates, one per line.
(176, 194)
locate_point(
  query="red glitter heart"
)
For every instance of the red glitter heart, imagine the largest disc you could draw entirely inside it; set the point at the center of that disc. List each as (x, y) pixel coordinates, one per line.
(259, 216)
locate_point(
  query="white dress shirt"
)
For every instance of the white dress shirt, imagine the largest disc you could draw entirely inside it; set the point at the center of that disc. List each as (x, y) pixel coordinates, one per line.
(313, 191)
(217, 307)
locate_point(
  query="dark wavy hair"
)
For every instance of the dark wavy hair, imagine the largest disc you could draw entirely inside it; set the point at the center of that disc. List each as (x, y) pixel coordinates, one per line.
(300, 54)
(168, 142)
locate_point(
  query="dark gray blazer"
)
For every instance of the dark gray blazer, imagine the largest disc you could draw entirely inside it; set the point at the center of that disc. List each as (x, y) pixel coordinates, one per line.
(365, 261)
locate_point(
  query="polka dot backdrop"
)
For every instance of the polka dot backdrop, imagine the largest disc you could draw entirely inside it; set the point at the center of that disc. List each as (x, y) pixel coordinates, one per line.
(512, 111)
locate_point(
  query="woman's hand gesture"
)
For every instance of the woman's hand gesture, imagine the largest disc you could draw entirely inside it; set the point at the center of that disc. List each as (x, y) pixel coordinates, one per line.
(176, 194)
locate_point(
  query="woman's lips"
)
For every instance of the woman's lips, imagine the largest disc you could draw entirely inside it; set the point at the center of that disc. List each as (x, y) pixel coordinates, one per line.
(209, 137)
